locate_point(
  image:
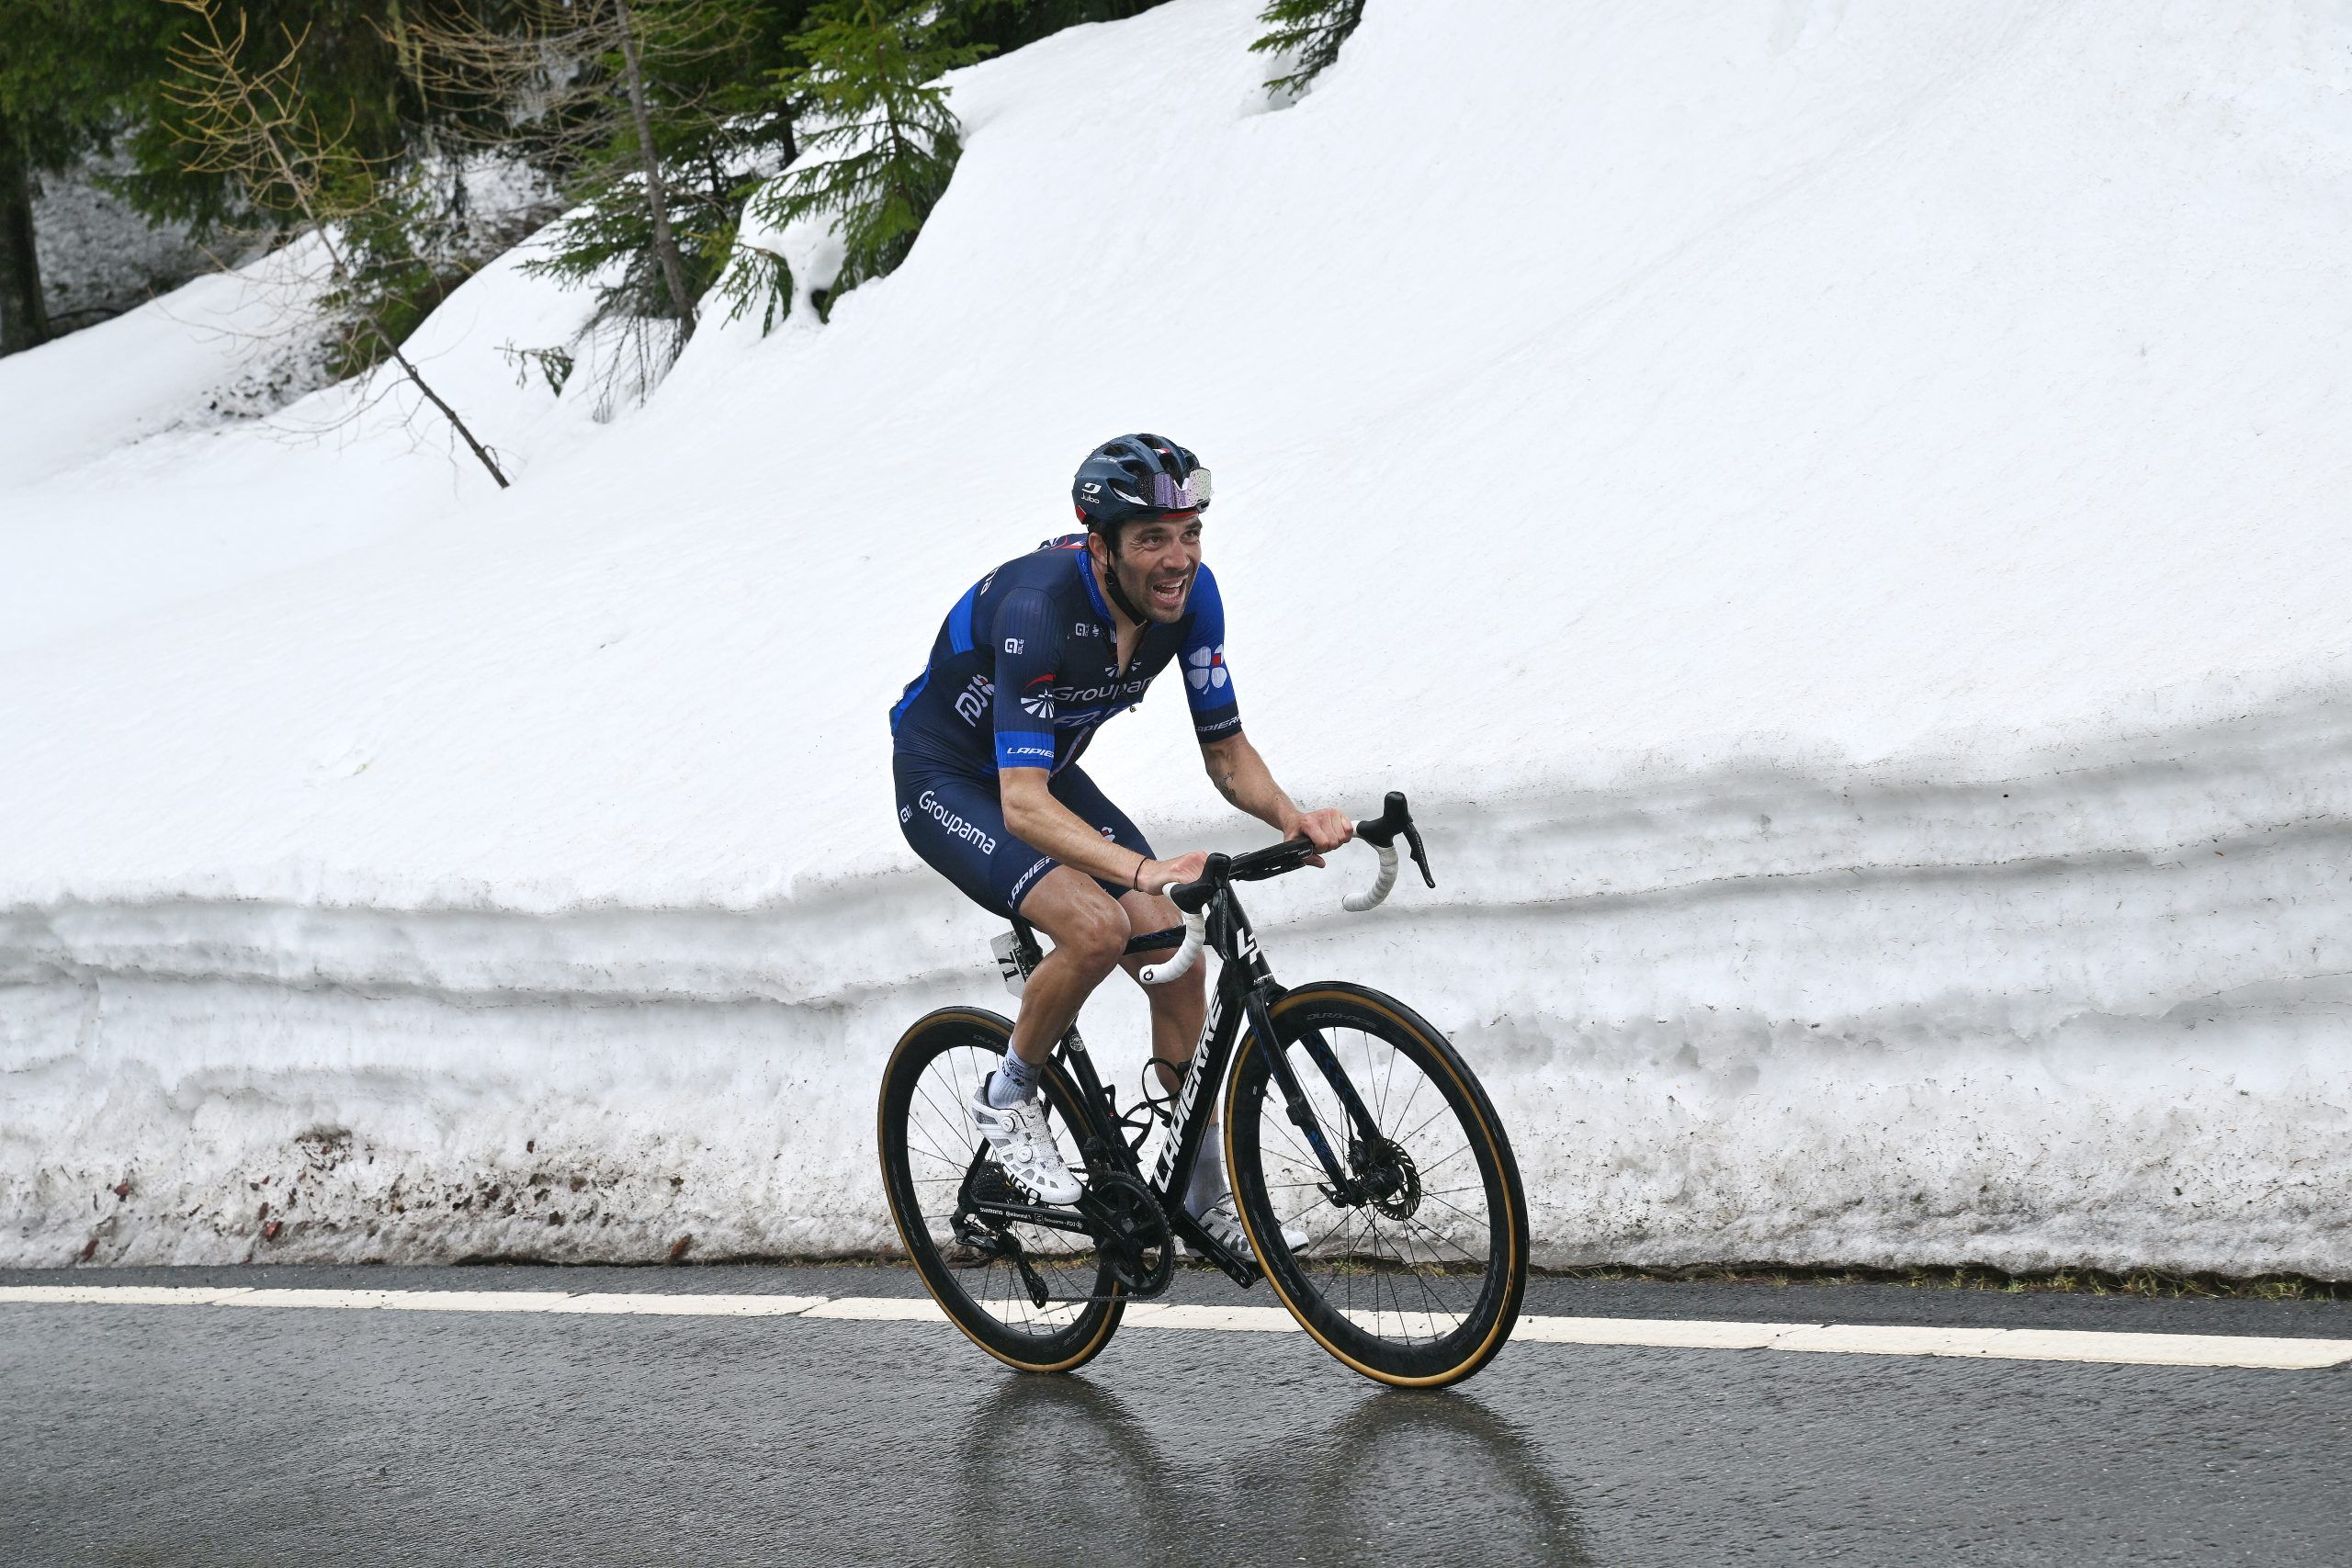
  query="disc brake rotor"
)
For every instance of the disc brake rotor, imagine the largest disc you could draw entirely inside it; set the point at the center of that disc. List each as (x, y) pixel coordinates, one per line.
(1393, 1182)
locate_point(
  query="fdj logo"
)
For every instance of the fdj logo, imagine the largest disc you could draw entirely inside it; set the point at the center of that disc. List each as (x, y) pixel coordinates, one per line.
(972, 702)
(1206, 667)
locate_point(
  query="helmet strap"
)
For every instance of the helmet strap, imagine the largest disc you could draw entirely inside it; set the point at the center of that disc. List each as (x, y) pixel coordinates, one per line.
(1110, 588)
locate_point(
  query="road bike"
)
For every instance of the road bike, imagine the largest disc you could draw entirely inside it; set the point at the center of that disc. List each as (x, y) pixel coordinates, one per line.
(1346, 1117)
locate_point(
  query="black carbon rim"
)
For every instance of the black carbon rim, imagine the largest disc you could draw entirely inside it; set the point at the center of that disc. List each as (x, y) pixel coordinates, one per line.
(1419, 1287)
(928, 1142)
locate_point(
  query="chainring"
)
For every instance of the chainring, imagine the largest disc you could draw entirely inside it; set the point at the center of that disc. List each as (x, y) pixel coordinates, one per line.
(1131, 1229)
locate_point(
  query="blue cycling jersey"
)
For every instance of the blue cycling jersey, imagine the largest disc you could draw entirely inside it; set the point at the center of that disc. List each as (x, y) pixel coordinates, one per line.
(1027, 668)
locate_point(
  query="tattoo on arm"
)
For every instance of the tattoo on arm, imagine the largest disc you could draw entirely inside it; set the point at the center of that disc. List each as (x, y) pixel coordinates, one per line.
(1226, 777)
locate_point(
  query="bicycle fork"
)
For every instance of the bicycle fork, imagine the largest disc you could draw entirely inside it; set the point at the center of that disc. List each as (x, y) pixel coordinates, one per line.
(1374, 1179)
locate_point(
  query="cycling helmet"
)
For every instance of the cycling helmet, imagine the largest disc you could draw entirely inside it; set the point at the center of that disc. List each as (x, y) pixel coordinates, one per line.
(1138, 476)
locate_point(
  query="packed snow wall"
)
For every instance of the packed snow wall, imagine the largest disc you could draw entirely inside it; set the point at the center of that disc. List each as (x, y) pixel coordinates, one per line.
(2090, 1014)
(1834, 513)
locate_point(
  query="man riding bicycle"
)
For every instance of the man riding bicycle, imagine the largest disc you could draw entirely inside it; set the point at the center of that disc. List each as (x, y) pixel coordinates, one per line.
(1030, 662)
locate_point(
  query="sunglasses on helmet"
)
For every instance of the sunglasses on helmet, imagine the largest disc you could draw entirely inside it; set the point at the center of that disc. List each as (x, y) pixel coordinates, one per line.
(1192, 494)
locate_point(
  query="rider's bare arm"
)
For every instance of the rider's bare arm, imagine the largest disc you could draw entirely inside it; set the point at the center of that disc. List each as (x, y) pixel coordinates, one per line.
(1038, 819)
(1242, 777)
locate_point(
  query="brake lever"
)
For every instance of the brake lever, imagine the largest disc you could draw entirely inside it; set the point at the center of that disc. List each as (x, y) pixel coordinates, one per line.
(1420, 855)
(1396, 816)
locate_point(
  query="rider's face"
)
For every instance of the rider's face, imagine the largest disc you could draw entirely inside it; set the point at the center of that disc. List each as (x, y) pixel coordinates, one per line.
(1157, 558)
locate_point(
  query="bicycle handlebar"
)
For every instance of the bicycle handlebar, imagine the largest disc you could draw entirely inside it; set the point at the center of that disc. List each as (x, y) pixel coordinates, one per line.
(1193, 898)
(1188, 953)
(1372, 896)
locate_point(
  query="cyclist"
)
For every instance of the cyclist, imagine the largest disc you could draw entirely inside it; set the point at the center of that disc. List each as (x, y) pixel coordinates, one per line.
(1030, 662)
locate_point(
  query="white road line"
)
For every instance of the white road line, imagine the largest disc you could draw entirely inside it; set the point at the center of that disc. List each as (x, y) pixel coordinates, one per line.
(397, 1300)
(650, 1305)
(1674, 1334)
(1217, 1319)
(117, 1295)
(1991, 1344)
(880, 1309)
(1669, 1332)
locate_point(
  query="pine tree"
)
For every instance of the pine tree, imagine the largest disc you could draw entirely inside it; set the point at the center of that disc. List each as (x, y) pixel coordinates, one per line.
(245, 118)
(70, 70)
(84, 77)
(1008, 25)
(1308, 35)
(657, 120)
(883, 139)
(354, 58)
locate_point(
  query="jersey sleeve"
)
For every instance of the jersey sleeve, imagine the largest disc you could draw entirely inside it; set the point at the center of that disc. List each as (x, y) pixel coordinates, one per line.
(1208, 683)
(1028, 651)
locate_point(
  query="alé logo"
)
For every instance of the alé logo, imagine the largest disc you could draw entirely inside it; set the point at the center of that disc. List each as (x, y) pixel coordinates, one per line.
(1205, 669)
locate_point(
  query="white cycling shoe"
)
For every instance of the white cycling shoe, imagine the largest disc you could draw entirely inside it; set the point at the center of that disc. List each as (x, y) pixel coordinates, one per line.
(1224, 1228)
(1024, 1146)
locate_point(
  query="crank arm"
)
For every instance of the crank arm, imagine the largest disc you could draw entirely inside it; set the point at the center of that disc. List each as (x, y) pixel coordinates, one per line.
(1243, 1271)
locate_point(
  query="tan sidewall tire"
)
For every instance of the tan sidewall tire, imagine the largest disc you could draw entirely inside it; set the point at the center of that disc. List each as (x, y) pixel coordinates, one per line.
(1470, 1098)
(975, 1321)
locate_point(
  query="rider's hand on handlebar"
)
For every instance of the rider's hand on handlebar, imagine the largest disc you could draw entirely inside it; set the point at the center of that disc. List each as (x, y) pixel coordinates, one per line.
(1327, 829)
(1158, 876)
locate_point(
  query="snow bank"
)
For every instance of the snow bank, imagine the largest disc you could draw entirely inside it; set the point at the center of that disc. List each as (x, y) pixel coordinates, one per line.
(1835, 516)
(174, 454)
(2091, 1015)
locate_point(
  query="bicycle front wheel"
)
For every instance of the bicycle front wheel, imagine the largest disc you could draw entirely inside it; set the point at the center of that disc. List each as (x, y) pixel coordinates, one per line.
(930, 1148)
(1415, 1276)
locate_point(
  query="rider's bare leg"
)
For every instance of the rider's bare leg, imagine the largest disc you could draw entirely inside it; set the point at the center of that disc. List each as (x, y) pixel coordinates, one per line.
(1089, 932)
(1177, 1008)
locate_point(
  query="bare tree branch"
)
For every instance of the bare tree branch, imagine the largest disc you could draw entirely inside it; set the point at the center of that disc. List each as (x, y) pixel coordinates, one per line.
(258, 127)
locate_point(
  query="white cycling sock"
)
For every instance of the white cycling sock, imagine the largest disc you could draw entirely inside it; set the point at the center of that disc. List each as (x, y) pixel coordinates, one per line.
(1206, 1188)
(1014, 1080)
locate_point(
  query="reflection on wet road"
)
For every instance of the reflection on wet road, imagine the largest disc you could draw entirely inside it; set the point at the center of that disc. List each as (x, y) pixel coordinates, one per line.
(215, 1436)
(1353, 1489)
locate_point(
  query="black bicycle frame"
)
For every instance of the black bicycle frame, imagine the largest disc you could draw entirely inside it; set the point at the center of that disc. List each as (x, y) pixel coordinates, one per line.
(1246, 988)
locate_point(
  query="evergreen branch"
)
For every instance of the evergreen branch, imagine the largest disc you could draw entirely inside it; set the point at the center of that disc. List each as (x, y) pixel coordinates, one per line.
(1310, 33)
(258, 127)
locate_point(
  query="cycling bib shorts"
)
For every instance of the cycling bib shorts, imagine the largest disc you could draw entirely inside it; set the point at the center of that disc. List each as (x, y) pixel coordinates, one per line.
(956, 823)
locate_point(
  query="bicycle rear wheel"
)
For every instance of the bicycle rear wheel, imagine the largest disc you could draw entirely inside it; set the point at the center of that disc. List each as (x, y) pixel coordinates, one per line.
(928, 1144)
(1418, 1283)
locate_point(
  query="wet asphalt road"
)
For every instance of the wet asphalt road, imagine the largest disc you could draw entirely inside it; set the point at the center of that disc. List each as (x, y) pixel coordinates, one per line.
(216, 1435)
